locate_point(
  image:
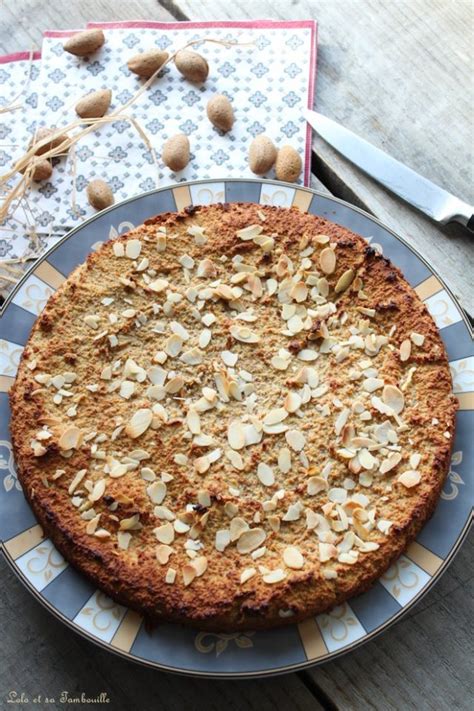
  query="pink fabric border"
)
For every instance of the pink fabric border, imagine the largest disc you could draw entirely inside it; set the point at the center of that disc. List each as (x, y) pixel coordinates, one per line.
(19, 56)
(263, 24)
(61, 33)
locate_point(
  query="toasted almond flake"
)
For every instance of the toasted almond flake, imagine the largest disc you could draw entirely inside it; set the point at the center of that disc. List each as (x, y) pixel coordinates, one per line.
(174, 385)
(337, 495)
(274, 576)
(307, 355)
(295, 439)
(229, 358)
(127, 389)
(71, 438)
(156, 491)
(98, 490)
(158, 285)
(390, 463)
(315, 485)
(327, 260)
(235, 459)
(236, 434)
(326, 551)
(193, 422)
(250, 232)
(344, 281)
(384, 525)
(293, 558)
(250, 540)
(123, 540)
(131, 523)
(280, 363)
(200, 565)
(238, 526)
(205, 338)
(265, 474)
(181, 526)
(370, 385)
(409, 478)
(189, 573)
(163, 553)
(246, 574)
(294, 512)
(139, 423)
(284, 460)
(118, 249)
(133, 247)
(102, 534)
(165, 533)
(275, 416)
(243, 334)
(173, 345)
(170, 576)
(222, 540)
(405, 350)
(366, 459)
(204, 498)
(292, 402)
(415, 460)
(79, 476)
(393, 398)
(341, 420)
(299, 292)
(202, 464)
(417, 338)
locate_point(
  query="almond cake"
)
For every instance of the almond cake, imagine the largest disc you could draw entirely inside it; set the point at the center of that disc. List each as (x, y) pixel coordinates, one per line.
(234, 417)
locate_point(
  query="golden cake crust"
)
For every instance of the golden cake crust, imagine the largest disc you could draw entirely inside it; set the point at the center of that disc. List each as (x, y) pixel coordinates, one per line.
(339, 523)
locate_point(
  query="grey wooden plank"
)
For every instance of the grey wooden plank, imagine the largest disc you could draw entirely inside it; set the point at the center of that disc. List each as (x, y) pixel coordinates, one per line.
(400, 75)
(39, 654)
(23, 23)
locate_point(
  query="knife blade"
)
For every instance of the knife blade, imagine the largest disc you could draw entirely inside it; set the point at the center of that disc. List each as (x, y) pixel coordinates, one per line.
(412, 187)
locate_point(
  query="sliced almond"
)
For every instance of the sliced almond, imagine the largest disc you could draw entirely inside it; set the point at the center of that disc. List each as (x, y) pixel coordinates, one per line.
(292, 402)
(139, 422)
(409, 478)
(158, 285)
(265, 474)
(156, 492)
(296, 440)
(238, 526)
(293, 558)
(133, 247)
(274, 576)
(327, 260)
(236, 434)
(246, 574)
(250, 540)
(315, 485)
(344, 281)
(393, 398)
(274, 416)
(165, 533)
(71, 438)
(405, 350)
(284, 460)
(163, 553)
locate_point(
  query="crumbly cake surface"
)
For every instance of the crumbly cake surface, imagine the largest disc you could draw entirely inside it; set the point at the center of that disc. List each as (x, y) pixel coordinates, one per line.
(234, 417)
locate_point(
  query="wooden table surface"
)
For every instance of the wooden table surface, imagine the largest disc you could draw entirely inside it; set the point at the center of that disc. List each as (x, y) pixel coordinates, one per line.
(400, 74)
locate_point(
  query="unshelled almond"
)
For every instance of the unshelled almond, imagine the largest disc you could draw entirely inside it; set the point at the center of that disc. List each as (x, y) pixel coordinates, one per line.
(42, 169)
(147, 63)
(84, 43)
(220, 112)
(262, 155)
(191, 65)
(43, 133)
(176, 152)
(99, 194)
(95, 104)
(288, 164)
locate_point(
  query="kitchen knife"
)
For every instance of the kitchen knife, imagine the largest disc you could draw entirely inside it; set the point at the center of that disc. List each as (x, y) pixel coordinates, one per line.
(435, 202)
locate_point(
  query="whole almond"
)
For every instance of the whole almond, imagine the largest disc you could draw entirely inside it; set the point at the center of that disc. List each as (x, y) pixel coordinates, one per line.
(43, 133)
(288, 164)
(191, 65)
(99, 194)
(220, 112)
(262, 155)
(147, 63)
(95, 104)
(176, 152)
(42, 169)
(84, 43)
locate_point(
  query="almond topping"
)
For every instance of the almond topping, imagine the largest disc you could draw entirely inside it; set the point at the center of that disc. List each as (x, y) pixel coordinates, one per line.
(250, 540)
(327, 260)
(409, 478)
(139, 423)
(293, 558)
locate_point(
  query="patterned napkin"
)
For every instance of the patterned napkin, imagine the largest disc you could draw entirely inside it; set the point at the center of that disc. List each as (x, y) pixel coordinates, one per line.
(268, 82)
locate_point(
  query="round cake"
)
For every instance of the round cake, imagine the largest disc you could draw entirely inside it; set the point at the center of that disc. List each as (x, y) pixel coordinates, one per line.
(235, 416)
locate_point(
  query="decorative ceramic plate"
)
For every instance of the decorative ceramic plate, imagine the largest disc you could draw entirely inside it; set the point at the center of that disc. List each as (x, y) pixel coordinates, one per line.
(180, 649)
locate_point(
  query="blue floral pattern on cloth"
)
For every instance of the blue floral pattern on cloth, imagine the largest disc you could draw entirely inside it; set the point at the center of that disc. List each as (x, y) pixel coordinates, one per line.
(251, 76)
